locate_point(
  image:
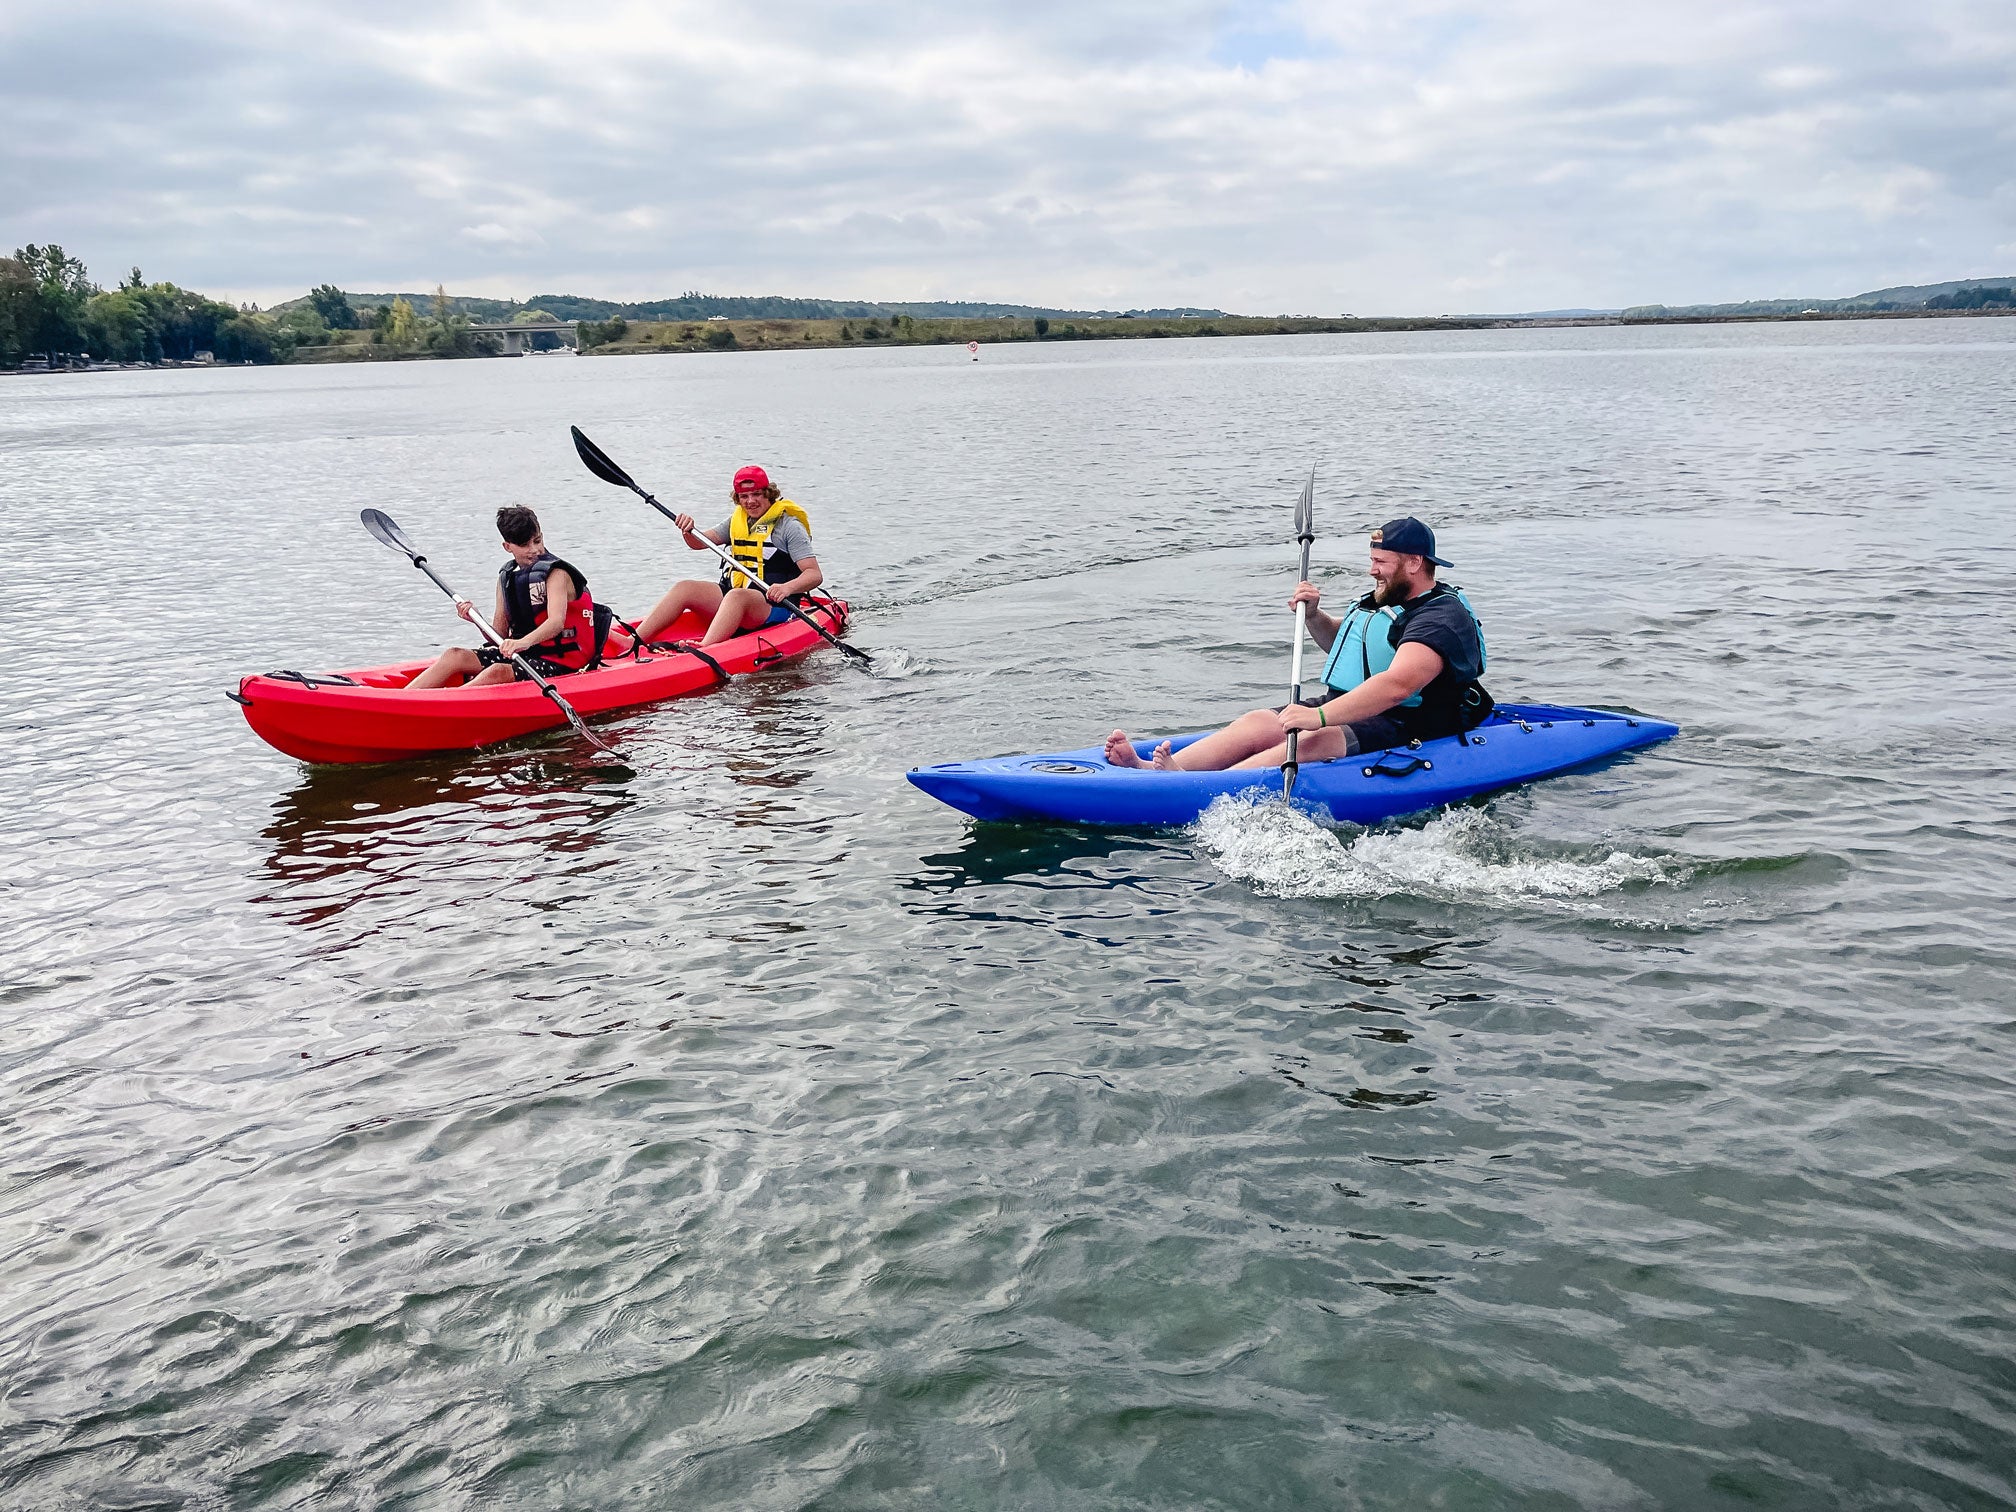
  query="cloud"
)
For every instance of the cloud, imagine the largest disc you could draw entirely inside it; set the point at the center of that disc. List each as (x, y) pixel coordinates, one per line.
(1305, 155)
(497, 234)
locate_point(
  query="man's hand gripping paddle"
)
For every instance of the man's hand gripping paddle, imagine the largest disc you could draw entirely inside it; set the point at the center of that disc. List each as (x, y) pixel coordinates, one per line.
(1305, 532)
(382, 527)
(599, 463)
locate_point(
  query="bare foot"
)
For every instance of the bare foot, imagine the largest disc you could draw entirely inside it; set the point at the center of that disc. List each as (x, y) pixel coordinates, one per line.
(1164, 759)
(1120, 750)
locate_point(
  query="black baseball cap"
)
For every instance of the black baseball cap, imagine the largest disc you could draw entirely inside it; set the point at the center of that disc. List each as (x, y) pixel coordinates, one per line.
(1407, 536)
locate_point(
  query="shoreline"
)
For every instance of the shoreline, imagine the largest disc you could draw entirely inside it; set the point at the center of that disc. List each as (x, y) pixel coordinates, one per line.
(662, 338)
(665, 337)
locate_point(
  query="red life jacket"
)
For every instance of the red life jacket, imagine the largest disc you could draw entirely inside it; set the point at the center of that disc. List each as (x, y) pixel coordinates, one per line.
(525, 602)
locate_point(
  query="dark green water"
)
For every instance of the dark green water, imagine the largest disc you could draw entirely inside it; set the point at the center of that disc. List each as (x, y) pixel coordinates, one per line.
(737, 1128)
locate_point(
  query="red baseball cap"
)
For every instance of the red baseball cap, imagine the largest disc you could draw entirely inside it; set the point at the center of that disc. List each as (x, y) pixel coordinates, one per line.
(754, 475)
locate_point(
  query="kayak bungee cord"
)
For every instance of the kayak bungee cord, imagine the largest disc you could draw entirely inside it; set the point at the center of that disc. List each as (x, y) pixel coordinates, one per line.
(599, 463)
(1305, 532)
(383, 529)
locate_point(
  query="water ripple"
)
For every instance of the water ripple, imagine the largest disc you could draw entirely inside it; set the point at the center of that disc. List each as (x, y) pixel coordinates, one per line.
(730, 1126)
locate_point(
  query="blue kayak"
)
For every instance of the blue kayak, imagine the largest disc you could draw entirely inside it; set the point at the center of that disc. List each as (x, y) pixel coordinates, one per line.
(1518, 743)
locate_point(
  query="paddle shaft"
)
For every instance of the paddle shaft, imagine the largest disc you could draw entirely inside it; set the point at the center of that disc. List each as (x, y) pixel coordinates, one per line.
(1288, 767)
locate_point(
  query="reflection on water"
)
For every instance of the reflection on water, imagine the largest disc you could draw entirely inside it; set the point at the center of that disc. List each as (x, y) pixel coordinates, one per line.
(346, 835)
(1030, 855)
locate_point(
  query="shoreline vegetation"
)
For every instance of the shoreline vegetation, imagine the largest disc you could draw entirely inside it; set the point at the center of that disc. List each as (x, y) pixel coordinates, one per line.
(631, 338)
(624, 337)
(53, 318)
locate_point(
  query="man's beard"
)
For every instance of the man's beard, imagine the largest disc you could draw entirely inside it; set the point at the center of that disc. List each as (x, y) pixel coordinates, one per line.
(1392, 591)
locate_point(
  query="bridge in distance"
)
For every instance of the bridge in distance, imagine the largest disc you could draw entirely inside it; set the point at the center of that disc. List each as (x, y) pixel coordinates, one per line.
(568, 332)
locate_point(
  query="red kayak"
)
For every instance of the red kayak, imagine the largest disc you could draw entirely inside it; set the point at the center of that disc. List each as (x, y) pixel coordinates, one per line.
(365, 714)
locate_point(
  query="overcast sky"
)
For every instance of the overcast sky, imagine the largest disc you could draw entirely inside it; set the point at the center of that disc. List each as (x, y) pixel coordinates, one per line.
(1375, 156)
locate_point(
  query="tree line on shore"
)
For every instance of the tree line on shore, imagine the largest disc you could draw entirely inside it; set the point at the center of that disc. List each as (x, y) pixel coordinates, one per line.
(1981, 297)
(50, 310)
(697, 307)
(53, 314)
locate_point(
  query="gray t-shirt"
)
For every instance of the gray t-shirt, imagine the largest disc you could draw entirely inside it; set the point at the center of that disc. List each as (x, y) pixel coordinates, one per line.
(787, 536)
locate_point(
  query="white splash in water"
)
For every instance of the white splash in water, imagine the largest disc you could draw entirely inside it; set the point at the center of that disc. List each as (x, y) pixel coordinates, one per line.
(893, 664)
(1458, 856)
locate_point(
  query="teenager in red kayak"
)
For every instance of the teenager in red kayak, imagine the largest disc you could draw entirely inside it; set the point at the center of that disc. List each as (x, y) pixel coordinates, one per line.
(543, 610)
(771, 539)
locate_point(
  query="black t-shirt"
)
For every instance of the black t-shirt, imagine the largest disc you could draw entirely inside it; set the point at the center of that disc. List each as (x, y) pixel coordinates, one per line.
(1438, 620)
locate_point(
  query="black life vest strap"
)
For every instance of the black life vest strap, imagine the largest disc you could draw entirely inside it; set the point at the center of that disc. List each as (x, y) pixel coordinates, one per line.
(606, 619)
(692, 648)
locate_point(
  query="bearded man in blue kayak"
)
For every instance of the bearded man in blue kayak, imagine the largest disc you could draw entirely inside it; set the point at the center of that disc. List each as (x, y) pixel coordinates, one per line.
(1403, 666)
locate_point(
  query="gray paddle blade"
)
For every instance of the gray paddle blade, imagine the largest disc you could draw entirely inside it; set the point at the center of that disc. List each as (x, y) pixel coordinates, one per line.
(382, 528)
(581, 728)
(1305, 510)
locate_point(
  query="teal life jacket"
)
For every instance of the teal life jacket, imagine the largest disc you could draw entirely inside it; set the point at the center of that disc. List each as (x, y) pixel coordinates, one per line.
(1369, 636)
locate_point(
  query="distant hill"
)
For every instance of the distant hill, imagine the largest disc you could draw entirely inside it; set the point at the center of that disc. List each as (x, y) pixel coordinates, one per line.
(1902, 297)
(1960, 292)
(695, 306)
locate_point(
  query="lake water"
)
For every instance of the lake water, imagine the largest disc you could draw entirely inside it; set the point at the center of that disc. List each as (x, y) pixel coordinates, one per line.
(734, 1127)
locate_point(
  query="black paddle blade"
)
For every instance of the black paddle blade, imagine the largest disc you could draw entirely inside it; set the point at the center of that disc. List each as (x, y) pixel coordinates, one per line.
(597, 460)
(381, 526)
(1305, 510)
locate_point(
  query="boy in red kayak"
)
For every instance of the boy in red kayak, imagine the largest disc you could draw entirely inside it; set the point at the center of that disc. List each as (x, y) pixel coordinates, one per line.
(771, 538)
(543, 610)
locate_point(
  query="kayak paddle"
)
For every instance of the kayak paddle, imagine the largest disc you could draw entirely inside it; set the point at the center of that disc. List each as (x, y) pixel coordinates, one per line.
(1305, 532)
(382, 527)
(599, 463)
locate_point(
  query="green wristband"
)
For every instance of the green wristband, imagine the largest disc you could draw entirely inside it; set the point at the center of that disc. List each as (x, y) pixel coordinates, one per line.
(1321, 717)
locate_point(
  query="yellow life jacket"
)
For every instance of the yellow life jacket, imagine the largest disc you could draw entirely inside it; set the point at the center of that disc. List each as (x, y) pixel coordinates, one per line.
(747, 540)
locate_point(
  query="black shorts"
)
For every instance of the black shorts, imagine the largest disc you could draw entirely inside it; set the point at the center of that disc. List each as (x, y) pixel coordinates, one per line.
(1379, 732)
(490, 656)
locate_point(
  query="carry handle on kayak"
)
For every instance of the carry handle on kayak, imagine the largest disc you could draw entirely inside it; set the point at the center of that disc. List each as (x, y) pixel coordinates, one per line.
(384, 529)
(1407, 767)
(604, 467)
